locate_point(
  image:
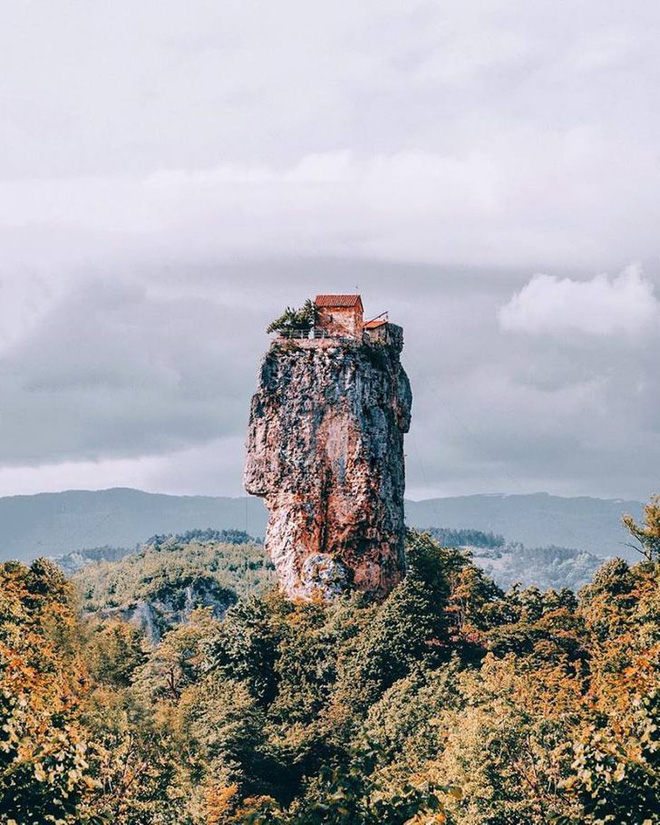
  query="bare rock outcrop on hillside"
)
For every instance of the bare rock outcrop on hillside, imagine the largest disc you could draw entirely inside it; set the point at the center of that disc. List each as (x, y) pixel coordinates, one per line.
(171, 605)
(325, 451)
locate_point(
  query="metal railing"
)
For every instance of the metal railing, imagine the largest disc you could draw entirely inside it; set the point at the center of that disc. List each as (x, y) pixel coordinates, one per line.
(294, 333)
(305, 334)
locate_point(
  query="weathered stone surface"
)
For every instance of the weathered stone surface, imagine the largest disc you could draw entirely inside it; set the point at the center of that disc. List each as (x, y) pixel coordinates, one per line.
(325, 451)
(172, 605)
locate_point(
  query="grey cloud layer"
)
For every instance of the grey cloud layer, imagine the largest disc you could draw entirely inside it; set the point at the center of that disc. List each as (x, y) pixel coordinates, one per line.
(172, 174)
(112, 371)
(485, 132)
(160, 371)
(122, 87)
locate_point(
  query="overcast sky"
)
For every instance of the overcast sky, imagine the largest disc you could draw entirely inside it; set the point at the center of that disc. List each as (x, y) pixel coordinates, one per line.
(172, 174)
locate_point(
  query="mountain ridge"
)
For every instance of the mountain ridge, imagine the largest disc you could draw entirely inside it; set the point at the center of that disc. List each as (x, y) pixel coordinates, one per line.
(53, 523)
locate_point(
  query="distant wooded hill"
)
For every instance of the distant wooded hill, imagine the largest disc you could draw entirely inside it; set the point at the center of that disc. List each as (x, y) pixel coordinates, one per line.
(159, 585)
(53, 523)
(48, 524)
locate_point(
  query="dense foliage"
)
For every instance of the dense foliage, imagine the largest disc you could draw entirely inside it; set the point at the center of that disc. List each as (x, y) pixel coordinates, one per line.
(449, 537)
(167, 564)
(70, 563)
(508, 562)
(646, 536)
(450, 702)
(302, 319)
(44, 769)
(208, 534)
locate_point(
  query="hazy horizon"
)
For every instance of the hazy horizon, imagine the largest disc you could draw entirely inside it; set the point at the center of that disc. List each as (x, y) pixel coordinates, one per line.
(477, 494)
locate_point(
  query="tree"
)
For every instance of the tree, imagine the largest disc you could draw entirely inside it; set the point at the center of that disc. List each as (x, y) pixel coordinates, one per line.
(448, 702)
(44, 771)
(302, 319)
(648, 534)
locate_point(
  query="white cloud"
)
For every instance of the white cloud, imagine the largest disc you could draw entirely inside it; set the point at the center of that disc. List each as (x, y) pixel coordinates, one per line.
(477, 207)
(548, 305)
(470, 133)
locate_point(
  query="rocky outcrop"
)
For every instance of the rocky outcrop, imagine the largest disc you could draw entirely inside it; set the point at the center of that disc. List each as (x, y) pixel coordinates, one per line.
(325, 451)
(172, 604)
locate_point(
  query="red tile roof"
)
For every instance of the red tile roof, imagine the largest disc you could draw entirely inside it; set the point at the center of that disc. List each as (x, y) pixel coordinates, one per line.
(338, 301)
(377, 322)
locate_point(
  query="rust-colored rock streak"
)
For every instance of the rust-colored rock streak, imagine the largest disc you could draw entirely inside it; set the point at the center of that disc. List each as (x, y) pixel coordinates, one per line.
(325, 451)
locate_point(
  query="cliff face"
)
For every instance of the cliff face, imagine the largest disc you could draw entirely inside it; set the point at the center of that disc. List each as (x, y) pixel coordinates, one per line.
(325, 451)
(171, 606)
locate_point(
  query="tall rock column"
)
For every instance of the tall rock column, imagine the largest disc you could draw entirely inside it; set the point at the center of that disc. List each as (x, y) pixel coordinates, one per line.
(325, 451)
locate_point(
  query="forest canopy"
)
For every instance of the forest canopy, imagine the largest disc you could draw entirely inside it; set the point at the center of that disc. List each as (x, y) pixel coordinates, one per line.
(450, 702)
